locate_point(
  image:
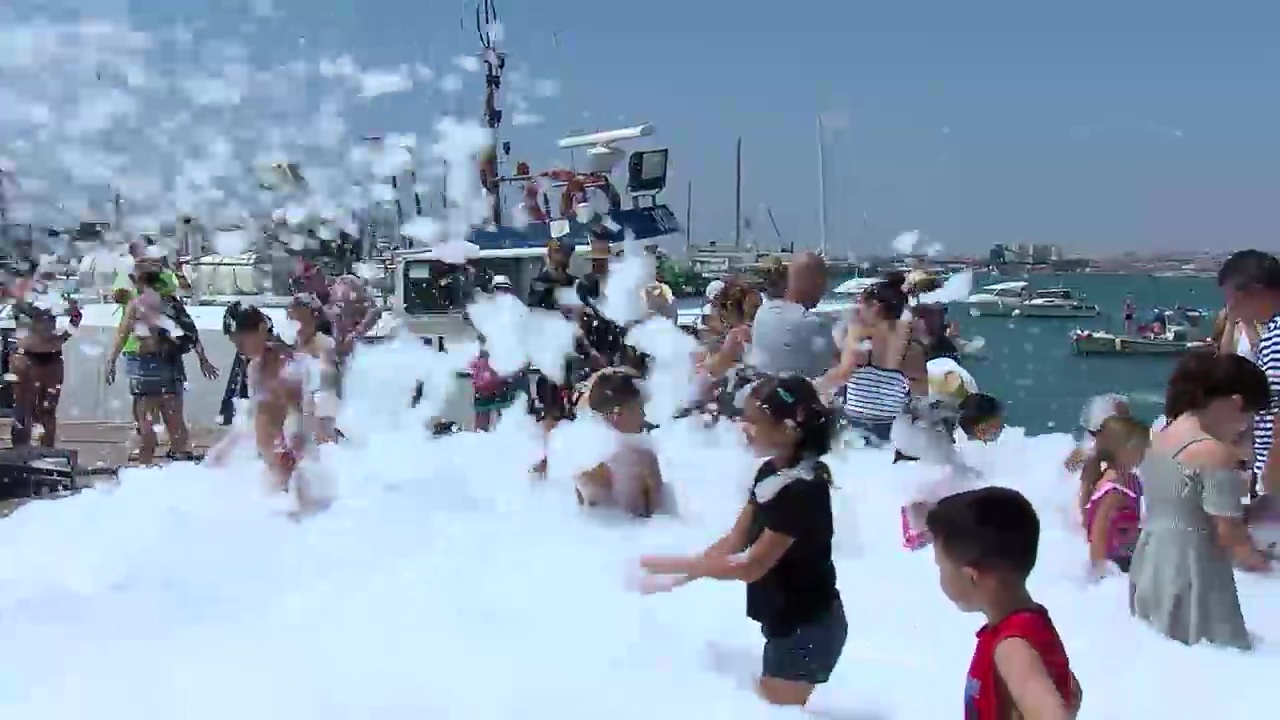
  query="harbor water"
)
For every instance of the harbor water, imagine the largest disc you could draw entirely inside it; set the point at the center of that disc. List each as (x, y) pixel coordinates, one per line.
(1028, 363)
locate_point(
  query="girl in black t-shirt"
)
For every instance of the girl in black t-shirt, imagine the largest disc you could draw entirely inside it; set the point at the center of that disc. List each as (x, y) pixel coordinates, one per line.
(785, 529)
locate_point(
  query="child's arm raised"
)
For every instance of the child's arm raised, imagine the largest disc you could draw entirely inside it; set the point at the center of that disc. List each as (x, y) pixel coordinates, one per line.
(1032, 690)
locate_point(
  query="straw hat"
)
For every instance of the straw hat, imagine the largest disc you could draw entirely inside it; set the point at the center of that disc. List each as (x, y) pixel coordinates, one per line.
(949, 384)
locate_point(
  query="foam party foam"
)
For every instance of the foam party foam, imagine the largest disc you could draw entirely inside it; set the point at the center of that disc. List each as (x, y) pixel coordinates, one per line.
(444, 582)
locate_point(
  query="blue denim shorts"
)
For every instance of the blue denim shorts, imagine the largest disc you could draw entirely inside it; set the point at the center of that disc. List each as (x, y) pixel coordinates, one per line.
(810, 653)
(875, 431)
(154, 375)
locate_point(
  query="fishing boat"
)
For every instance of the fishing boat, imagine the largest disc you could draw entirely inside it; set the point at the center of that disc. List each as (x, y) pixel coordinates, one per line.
(1172, 331)
(1100, 342)
(432, 290)
(999, 299)
(1059, 302)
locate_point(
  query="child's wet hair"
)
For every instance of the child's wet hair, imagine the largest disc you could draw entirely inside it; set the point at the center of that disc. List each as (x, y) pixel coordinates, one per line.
(1203, 376)
(1114, 435)
(976, 409)
(792, 398)
(245, 319)
(737, 302)
(613, 389)
(991, 529)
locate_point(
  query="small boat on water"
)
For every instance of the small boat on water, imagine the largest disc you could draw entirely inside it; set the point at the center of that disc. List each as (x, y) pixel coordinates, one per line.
(1100, 342)
(999, 299)
(1059, 302)
(1173, 332)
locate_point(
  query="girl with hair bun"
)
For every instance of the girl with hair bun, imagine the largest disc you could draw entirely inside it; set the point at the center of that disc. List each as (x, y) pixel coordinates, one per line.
(1181, 579)
(780, 545)
(881, 365)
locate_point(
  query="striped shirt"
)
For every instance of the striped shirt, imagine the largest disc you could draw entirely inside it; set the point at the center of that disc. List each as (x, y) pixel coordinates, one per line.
(1264, 422)
(874, 393)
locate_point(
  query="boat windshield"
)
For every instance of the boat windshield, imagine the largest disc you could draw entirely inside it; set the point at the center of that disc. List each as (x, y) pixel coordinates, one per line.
(1055, 294)
(432, 286)
(1008, 292)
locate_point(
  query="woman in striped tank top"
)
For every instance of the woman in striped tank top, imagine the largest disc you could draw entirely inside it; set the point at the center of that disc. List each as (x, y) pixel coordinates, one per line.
(879, 363)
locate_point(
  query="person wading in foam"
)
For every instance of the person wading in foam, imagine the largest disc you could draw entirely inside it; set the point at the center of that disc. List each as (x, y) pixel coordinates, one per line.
(780, 545)
(279, 426)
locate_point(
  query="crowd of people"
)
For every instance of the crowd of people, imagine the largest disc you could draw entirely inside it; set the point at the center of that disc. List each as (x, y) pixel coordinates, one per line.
(1175, 506)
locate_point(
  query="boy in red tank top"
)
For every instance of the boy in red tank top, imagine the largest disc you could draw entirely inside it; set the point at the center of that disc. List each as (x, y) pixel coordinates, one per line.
(985, 544)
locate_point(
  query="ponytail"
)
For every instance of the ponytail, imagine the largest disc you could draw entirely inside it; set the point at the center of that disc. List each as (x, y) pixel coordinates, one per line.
(1090, 476)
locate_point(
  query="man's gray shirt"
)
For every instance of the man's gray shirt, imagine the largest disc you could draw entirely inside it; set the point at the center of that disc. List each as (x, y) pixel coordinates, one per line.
(786, 338)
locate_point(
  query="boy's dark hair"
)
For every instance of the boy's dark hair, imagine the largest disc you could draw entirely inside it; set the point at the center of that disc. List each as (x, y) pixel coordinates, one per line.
(990, 528)
(1203, 376)
(614, 388)
(246, 319)
(792, 398)
(1250, 269)
(977, 408)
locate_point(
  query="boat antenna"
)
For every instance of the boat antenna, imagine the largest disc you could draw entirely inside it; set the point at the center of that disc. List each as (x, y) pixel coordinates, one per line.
(495, 62)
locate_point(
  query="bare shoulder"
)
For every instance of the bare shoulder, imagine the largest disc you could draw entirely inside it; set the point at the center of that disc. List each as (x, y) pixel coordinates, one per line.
(1206, 453)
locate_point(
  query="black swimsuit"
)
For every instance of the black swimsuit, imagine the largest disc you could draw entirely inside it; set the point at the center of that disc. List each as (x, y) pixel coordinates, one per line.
(43, 358)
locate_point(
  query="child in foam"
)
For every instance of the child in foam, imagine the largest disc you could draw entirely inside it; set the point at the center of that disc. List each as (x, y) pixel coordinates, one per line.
(1095, 412)
(926, 434)
(1111, 492)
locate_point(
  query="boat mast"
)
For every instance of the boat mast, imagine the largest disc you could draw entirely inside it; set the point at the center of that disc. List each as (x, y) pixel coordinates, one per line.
(494, 63)
(737, 199)
(822, 194)
(688, 219)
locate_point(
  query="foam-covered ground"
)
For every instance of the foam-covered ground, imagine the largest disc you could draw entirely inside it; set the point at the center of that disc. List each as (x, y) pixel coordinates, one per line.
(444, 583)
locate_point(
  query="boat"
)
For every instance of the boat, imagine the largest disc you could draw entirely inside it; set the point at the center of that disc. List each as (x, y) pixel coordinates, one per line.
(1172, 331)
(855, 285)
(1057, 302)
(1100, 342)
(999, 299)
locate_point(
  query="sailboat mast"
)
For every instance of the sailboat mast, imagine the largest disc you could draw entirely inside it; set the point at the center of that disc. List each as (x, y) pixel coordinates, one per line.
(737, 200)
(822, 194)
(688, 218)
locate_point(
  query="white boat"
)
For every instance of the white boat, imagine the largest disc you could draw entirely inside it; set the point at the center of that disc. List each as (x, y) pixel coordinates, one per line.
(1057, 302)
(855, 286)
(999, 299)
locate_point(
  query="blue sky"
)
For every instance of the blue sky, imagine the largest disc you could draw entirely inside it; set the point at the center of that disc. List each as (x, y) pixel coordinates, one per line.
(1098, 126)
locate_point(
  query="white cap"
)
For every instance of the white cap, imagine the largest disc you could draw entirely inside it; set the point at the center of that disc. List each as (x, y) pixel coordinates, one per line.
(713, 289)
(501, 281)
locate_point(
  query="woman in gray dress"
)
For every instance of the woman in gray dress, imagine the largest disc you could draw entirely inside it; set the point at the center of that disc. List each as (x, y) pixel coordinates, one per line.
(1182, 577)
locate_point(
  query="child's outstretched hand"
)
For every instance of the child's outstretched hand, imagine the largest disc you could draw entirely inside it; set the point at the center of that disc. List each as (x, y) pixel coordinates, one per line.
(664, 573)
(647, 584)
(1075, 461)
(666, 564)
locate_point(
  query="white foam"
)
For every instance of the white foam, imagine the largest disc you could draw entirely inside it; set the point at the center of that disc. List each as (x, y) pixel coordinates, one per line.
(445, 583)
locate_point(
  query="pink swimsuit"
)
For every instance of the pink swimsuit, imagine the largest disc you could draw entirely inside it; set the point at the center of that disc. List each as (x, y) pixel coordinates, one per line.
(1122, 535)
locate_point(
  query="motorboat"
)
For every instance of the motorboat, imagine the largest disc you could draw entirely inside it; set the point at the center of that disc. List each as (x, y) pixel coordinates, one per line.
(1171, 332)
(1000, 299)
(1057, 302)
(1100, 342)
(855, 286)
